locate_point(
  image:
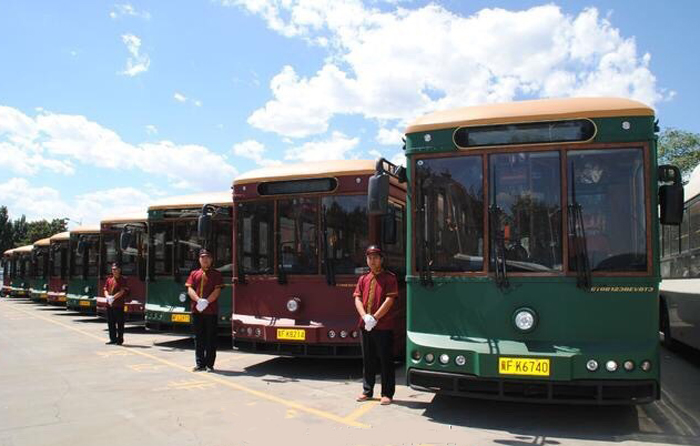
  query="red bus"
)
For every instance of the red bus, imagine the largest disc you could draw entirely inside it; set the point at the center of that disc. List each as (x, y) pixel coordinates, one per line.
(124, 239)
(58, 268)
(301, 233)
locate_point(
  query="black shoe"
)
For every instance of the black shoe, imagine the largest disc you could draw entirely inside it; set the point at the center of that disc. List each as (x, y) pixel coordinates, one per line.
(198, 368)
(110, 342)
(120, 342)
(210, 369)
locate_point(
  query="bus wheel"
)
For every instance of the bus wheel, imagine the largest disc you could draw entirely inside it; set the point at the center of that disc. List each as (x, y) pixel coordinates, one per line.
(665, 325)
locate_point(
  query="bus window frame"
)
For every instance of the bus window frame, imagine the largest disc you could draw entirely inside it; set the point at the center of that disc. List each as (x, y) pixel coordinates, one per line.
(563, 150)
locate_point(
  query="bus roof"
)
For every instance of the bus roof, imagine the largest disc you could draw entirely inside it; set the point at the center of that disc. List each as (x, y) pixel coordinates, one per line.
(26, 249)
(131, 217)
(91, 229)
(530, 111)
(194, 200)
(61, 236)
(43, 242)
(318, 169)
(8, 252)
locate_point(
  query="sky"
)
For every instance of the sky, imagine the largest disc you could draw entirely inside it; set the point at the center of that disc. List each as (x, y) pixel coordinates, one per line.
(107, 106)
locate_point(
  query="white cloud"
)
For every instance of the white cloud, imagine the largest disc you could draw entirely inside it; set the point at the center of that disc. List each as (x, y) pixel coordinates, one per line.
(337, 147)
(38, 202)
(394, 66)
(151, 129)
(138, 62)
(254, 150)
(390, 137)
(59, 142)
(121, 10)
(179, 97)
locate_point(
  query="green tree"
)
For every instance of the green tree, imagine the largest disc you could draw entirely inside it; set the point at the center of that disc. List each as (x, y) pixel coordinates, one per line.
(39, 229)
(680, 148)
(20, 227)
(6, 231)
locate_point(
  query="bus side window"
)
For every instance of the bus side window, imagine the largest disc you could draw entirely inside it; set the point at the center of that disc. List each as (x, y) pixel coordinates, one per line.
(395, 253)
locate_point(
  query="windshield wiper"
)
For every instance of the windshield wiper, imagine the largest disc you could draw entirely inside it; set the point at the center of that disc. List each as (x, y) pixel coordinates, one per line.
(426, 275)
(577, 234)
(498, 239)
(281, 274)
(327, 259)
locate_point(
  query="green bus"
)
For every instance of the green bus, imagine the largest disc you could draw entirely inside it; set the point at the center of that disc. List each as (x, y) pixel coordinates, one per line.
(174, 244)
(533, 260)
(7, 273)
(22, 259)
(83, 269)
(39, 283)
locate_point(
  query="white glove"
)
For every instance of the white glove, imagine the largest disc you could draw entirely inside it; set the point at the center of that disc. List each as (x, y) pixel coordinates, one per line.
(110, 300)
(370, 322)
(202, 304)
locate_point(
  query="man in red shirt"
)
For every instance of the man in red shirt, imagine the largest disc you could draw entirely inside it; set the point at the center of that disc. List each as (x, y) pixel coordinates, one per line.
(204, 286)
(114, 290)
(375, 294)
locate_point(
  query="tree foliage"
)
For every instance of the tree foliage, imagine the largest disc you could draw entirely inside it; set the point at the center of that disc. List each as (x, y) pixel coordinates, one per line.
(20, 232)
(679, 148)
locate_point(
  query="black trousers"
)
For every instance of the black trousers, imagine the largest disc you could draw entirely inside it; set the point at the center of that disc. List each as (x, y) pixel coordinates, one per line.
(205, 338)
(378, 355)
(115, 323)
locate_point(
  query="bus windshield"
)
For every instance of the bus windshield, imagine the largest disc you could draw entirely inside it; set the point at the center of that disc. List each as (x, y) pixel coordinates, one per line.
(126, 259)
(450, 218)
(162, 243)
(223, 231)
(255, 229)
(297, 223)
(57, 259)
(608, 185)
(187, 247)
(346, 227)
(525, 191)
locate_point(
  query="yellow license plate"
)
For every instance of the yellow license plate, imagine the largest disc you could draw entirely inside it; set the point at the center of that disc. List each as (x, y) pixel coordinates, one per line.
(180, 318)
(84, 303)
(292, 335)
(61, 298)
(523, 366)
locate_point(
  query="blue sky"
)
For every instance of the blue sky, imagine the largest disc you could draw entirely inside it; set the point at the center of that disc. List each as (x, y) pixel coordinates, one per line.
(106, 106)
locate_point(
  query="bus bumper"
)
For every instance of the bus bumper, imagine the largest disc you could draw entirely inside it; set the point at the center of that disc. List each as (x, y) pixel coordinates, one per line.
(133, 311)
(56, 298)
(81, 304)
(600, 392)
(261, 335)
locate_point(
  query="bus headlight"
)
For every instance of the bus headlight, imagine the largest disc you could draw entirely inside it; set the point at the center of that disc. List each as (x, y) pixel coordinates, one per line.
(628, 365)
(343, 334)
(331, 334)
(592, 365)
(46, 286)
(293, 304)
(64, 287)
(444, 358)
(460, 360)
(258, 332)
(354, 334)
(86, 290)
(183, 297)
(645, 365)
(611, 366)
(429, 358)
(249, 331)
(524, 319)
(415, 355)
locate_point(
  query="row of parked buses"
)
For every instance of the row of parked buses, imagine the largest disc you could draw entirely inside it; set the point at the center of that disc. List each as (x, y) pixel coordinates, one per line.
(525, 236)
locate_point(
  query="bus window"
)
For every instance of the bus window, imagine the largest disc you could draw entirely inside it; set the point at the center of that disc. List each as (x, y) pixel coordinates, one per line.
(256, 232)
(93, 247)
(298, 231)
(223, 231)
(450, 230)
(674, 239)
(187, 247)
(57, 260)
(609, 187)
(695, 225)
(76, 259)
(347, 227)
(394, 254)
(685, 236)
(129, 257)
(162, 234)
(526, 189)
(109, 246)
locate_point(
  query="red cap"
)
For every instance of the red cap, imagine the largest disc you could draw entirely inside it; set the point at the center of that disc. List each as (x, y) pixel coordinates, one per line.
(374, 249)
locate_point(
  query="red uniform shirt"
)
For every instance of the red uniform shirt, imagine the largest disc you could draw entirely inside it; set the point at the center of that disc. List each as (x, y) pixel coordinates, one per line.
(383, 285)
(204, 283)
(113, 286)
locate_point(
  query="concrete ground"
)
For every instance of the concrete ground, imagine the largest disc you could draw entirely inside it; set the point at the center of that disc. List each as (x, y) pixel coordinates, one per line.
(61, 385)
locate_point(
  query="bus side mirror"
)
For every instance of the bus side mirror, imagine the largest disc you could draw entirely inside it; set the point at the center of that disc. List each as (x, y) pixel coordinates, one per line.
(378, 194)
(671, 197)
(204, 227)
(125, 239)
(389, 230)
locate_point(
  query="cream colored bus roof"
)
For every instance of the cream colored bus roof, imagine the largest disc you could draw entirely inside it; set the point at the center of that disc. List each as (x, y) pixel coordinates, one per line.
(9, 252)
(43, 242)
(194, 200)
(319, 169)
(26, 249)
(131, 217)
(91, 229)
(61, 236)
(529, 111)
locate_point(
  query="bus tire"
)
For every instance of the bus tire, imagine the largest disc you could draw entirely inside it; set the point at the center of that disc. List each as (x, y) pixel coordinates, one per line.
(665, 325)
